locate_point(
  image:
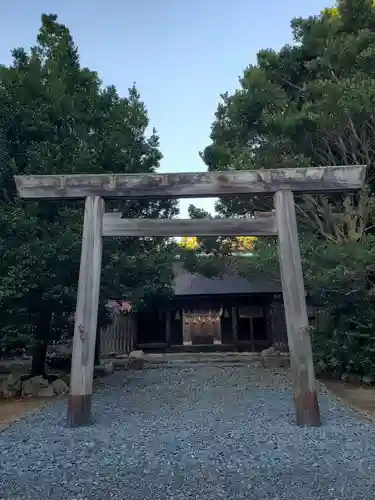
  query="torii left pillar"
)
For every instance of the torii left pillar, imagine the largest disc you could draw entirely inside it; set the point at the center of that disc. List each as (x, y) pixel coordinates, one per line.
(86, 317)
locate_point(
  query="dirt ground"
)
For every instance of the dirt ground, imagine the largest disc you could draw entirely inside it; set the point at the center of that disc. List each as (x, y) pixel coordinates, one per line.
(13, 410)
(360, 399)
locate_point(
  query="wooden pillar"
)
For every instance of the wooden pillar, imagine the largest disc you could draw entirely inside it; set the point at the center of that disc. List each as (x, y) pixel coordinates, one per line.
(235, 326)
(304, 387)
(168, 324)
(86, 317)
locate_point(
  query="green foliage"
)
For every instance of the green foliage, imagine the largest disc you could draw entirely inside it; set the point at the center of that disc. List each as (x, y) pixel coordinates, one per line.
(337, 351)
(55, 117)
(342, 278)
(205, 255)
(339, 279)
(312, 103)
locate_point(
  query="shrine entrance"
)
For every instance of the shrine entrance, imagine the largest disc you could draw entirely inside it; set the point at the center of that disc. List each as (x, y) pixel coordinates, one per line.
(281, 183)
(202, 327)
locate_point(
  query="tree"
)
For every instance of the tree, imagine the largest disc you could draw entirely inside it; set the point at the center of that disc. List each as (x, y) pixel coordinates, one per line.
(56, 118)
(206, 255)
(239, 243)
(310, 104)
(189, 242)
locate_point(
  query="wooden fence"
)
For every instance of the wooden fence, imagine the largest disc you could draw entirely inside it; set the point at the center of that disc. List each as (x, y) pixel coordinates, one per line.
(120, 337)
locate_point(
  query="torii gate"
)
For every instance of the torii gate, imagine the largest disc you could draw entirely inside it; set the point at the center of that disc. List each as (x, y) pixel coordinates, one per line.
(281, 183)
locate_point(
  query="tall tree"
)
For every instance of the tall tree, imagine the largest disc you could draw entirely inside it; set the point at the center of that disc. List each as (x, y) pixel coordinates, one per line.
(309, 104)
(56, 118)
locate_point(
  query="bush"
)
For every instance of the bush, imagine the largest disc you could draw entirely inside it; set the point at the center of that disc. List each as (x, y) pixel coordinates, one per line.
(13, 344)
(340, 278)
(341, 349)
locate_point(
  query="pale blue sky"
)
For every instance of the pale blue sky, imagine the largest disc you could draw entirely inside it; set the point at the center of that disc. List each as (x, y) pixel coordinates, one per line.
(181, 53)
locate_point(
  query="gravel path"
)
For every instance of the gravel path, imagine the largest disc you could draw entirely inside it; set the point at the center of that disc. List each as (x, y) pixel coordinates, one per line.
(204, 432)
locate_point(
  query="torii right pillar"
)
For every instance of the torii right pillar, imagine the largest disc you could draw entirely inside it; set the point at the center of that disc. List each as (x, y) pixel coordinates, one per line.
(301, 359)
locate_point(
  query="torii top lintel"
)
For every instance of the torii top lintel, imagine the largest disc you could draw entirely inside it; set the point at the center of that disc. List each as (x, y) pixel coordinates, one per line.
(192, 185)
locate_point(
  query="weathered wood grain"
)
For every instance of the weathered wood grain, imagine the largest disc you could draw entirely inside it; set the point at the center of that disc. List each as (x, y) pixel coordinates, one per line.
(79, 410)
(304, 387)
(113, 225)
(192, 185)
(81, 380)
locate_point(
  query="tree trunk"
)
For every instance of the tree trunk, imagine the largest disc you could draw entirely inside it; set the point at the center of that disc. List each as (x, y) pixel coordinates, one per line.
(38, 366)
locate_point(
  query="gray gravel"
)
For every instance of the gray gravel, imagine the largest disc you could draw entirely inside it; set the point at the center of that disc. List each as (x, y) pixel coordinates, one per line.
(204, 432)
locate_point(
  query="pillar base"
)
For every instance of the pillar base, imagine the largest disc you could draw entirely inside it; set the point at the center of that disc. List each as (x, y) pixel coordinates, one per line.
(307, 409)
(79, 410)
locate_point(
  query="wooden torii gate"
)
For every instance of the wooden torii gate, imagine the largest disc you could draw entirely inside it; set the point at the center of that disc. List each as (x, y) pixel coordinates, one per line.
(281, 183)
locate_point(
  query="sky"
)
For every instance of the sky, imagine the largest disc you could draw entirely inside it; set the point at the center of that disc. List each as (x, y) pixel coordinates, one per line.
(182, 54)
